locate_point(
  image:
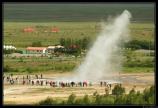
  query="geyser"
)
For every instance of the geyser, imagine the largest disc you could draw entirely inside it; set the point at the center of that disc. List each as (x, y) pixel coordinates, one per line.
(103, 60)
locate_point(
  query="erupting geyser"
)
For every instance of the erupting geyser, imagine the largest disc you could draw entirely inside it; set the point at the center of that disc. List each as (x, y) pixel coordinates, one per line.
(103, 60)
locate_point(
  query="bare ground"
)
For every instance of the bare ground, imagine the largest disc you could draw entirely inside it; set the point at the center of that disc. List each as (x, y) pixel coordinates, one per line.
(28, 94)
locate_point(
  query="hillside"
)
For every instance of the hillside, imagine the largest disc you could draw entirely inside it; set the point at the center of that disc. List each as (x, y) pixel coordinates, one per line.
(75, 12)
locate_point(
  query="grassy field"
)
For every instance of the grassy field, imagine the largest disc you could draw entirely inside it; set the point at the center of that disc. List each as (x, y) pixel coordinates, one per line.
(13, 32)
(76, 21)
(40, 65)
(134, 63)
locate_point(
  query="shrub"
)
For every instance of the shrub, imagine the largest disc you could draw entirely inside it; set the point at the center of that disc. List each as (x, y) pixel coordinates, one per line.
(120, 99)
(98, 99)
(71, 99)
(6, 68)
(18, 51)
(29, 70)
(86, 100)
(79, 101)
(21, 59)
(9, 51)
(149, 94)
(134, 98)
(95, 93)
(118, 90)
(107, 100)
(47, 101)
(132, 91)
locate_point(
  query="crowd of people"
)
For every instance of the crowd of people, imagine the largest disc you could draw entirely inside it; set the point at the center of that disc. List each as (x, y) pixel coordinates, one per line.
(11, 79)
(38, 80)
(105, 84)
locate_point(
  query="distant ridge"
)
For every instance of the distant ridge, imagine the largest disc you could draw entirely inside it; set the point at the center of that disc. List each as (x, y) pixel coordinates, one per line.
(74, 12)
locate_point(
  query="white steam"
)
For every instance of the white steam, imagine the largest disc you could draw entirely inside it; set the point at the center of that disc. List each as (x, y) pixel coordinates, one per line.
(103, 60)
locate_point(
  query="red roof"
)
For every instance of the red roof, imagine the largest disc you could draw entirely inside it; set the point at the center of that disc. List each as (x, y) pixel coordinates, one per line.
(74, 46)
(28, 29)
(35, 48)
(55, 29)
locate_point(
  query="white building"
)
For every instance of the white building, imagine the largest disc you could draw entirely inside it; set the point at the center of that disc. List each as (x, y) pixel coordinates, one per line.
(50, 49)
(9, 47)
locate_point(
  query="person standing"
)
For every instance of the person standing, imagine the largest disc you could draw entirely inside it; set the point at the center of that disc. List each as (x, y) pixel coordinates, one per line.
(101, 83)
(32, 82)
(110, 86)
(41, 76)
(27, 77)
(41, 83)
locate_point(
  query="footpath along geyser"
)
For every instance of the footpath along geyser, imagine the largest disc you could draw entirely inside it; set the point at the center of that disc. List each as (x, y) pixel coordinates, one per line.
(103, 60)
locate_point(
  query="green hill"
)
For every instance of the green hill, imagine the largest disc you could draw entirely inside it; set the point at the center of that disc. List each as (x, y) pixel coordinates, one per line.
(74, 12)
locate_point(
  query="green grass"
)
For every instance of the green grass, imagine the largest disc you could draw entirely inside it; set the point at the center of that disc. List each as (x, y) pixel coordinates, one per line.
(136, 63)
(35, 65)
(13, 32)
(138, 69)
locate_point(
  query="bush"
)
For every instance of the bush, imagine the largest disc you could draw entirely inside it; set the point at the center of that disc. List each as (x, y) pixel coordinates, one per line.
(48, 101)
(18, 51)
(107, 100)
(98, 99)
(95, 93)
(136, 44)
(86, 100)
(132, 91)
(29, 70)
(79, 101)
(71, 99)
(118, 90)
(149, 94)
(9, 51)
(120, 99)
(6, 68)
(21, 59)
(133, 98)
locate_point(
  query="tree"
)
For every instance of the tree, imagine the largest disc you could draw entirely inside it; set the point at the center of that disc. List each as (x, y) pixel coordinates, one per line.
(62, 41)
(85, 43)
(68, 42)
